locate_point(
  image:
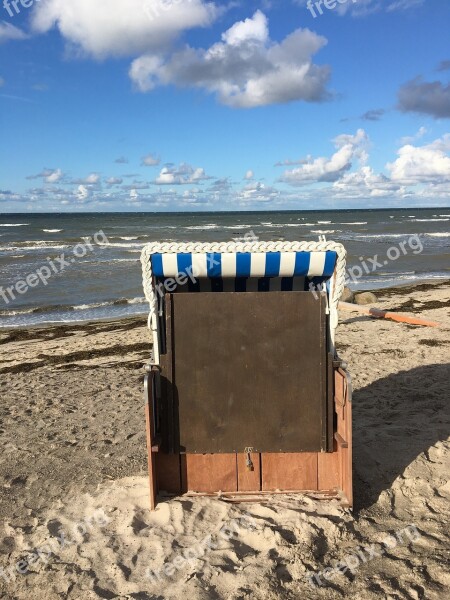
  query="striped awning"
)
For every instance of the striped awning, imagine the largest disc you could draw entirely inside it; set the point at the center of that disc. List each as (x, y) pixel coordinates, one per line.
(244, 264)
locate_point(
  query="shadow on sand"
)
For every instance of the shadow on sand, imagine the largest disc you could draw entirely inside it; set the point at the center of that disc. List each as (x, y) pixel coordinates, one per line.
(394, 420)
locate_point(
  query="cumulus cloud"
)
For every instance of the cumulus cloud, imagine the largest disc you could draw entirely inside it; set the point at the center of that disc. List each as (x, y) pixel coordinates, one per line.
(348, 148)
(91, 179)
(246, 69)
(409, 139)
(121, 160)
(113, 181)
(10, 32)
(365, 183)
(431, 98)
(123, 27)
(82, 193)
(54, 177)
(249, 174)
(257, 192)
(48, 175)
(183, 174)
(422, 164)
(151, 160)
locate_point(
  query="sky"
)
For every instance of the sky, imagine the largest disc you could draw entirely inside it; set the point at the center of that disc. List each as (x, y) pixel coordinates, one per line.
(187, 105)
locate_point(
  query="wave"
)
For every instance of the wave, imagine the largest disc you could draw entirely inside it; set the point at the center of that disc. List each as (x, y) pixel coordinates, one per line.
(53, 230)
(14, 224)
(443, 234)
(429, 220)
(119, 245)
(200, 227)
(129, 238)
(323, 222)
(355, 223)
(37, 246)
(323, 231)
(60, 308)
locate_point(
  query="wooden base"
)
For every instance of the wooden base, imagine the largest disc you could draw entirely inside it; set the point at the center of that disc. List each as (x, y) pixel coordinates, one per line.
(322, 475)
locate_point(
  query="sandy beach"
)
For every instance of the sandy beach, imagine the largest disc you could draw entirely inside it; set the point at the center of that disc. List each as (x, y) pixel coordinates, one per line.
(74, 515)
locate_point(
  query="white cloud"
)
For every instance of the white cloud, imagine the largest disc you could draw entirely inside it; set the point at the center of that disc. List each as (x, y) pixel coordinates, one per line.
(48, 175)
(134, 194)
(365, 183)
(409, 139)
(257, 192)
(82, 192)
(249, 174)
(349, 148)
(102, 28)
(422, 164)
(114, 180)
(54, 177)
(10, 32)
(151, 160)
(91, 179)
(184, 174)
(245, 69)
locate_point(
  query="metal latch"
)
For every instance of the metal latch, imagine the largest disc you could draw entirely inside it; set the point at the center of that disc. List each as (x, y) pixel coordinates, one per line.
(248, 460)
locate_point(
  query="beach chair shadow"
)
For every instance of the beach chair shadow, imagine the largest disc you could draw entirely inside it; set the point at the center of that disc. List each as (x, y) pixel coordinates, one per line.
(245, 394)
(395, 419)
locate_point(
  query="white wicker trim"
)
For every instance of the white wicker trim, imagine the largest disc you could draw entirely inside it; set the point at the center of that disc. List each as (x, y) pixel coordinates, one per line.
(198, 247)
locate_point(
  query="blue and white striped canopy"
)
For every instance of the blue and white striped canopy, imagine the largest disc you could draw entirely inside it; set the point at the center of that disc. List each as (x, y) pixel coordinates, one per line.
(244, 264)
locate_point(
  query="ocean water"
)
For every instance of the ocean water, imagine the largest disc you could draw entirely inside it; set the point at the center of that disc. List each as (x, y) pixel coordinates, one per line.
(104, 280)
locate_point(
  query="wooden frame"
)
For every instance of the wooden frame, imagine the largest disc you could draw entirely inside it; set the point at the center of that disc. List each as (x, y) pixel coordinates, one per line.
(323, 475)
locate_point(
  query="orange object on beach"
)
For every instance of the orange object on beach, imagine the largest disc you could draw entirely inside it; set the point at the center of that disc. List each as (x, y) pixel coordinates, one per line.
(382, 314)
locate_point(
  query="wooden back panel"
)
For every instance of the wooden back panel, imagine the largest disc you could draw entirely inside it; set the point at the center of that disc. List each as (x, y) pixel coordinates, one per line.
(247, 370)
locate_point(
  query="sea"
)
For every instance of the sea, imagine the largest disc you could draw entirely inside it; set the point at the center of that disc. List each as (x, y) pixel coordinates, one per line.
(102, 280)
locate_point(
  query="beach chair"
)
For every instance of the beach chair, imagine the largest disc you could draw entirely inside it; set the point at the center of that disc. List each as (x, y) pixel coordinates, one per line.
(245, 395)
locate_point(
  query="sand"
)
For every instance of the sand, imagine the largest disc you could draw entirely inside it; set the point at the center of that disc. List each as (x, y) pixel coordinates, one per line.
(74, 512)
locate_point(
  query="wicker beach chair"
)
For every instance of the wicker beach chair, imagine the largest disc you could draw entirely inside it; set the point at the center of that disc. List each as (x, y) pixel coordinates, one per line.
(245, 394)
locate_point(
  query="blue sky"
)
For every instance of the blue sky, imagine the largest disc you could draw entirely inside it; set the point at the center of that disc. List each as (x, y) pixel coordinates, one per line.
(194, 105)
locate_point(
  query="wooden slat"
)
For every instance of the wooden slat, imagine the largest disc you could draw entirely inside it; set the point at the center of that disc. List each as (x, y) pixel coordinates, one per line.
(150, 434)
(328, 470)
(208, 472)
(289, 471)
(168, 474)
(344, 432)
(249, 481)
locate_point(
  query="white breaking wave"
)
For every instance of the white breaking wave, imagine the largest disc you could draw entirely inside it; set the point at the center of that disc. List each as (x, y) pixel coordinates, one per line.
(323, 222)
(355, 223)
(53, 230)
(443, 234)
(210, 226)
(429, 220)
(13, 224)
(323, 231)
(119, 245)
